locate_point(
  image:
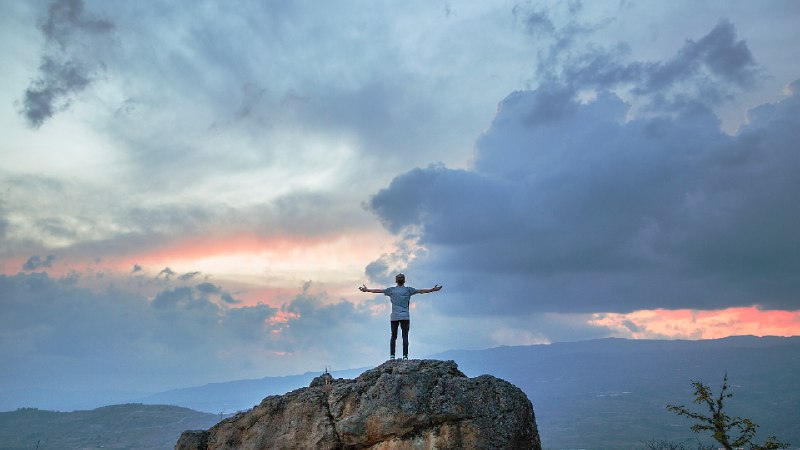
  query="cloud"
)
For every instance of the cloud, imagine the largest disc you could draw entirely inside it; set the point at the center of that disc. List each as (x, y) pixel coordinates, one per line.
(179, 297)
(183, 336)
(66, 17)
(710, 69)
(349, 334)
(208, 288)
(167, 272)
(36, 262)
(229, 299)
(50, 92)
(69, 64)
(212, 289)
(187, 83)
(584, 206)
(719, 53)
(693, 324)
(307, 104)
(557, 41)
(56, 217)
(188, 275)
(384, 269)
(716, 59)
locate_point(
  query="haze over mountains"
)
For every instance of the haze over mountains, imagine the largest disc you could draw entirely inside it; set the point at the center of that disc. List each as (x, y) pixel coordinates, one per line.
(238, 395)
(612, 393)
(606, 393)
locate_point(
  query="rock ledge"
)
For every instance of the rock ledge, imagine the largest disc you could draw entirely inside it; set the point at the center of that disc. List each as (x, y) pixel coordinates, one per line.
(414, 404)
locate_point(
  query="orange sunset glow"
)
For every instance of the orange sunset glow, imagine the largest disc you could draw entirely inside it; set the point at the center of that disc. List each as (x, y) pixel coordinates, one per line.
(698, 324)
(251, 254)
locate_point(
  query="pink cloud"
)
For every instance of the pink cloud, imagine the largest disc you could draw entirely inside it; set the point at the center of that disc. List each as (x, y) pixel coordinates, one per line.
(701, 324)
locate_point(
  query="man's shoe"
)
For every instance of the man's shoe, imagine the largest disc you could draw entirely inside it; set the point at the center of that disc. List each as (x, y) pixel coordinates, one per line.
(405, 356)
(391, 357)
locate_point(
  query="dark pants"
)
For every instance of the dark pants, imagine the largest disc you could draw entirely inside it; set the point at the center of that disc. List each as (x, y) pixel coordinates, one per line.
(405, 325)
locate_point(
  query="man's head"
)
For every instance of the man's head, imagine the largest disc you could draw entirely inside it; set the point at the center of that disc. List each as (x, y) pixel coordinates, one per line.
(400, 279)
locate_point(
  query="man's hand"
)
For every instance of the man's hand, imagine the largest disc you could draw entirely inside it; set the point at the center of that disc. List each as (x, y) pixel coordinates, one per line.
(363, 288)
(428, 291)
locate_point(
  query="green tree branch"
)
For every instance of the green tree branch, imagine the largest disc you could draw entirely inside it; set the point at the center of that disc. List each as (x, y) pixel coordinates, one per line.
(720, 424)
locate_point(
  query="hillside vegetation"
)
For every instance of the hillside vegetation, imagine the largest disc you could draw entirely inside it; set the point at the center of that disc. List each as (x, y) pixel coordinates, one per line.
(130, 426)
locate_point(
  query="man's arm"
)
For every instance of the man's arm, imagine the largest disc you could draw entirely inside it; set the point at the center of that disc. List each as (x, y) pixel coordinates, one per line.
(428, 291)
(364, 288)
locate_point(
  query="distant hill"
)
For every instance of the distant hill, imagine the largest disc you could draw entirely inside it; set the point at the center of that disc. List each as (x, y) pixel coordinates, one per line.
(612, 393)
(239, 395)
(130, 426)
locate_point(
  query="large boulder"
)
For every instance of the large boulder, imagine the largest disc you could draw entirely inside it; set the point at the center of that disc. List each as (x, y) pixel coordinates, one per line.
(412, 404)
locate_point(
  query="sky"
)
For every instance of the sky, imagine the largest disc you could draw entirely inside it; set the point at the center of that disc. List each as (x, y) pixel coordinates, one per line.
(192, 192)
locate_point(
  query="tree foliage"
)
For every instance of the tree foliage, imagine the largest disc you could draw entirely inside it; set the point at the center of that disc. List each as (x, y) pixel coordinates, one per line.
(723, 427)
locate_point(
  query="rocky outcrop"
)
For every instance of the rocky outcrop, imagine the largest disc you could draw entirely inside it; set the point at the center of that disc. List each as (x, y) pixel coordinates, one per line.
(414, 404)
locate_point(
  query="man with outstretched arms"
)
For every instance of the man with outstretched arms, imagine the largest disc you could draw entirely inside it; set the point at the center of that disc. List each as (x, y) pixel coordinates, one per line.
(400, 296)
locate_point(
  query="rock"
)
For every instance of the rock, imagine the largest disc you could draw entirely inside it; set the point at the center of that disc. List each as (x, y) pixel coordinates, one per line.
(412, 404)
(192, 439)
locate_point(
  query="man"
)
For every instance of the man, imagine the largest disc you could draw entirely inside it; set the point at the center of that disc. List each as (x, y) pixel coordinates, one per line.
(400, 296)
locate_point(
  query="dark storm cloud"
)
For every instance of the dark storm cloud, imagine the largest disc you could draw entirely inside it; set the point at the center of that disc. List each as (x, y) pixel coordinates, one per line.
(68, 65)
(708, 69)
(719, 52)
(36, 262)
(50, 92)
(573, 206)
(542, 24)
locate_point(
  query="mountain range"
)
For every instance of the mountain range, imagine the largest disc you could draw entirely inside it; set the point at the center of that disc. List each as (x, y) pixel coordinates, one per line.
(597, 394)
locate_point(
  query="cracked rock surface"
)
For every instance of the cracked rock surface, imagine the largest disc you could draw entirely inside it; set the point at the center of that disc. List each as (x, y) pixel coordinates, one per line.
(413, 404)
